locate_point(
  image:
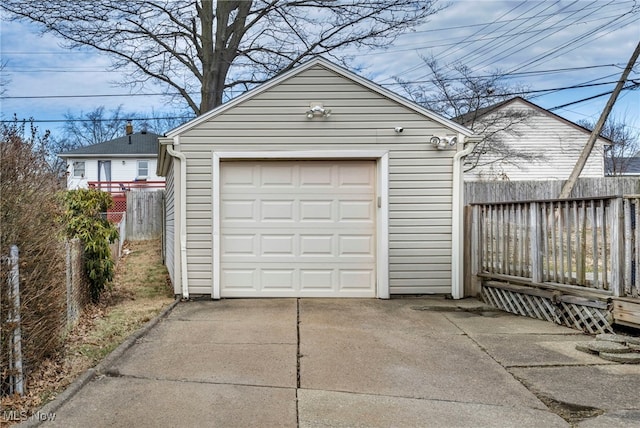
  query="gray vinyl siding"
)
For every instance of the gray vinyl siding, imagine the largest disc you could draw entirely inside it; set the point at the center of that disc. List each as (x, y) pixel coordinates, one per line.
(420, 188)
(169, 228)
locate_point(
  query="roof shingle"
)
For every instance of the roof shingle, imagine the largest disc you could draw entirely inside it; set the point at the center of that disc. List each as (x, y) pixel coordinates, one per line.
(140, 143)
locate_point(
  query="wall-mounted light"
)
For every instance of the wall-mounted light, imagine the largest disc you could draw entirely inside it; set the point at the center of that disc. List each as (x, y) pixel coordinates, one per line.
(317, 109)
(441, 143)
(124, 163)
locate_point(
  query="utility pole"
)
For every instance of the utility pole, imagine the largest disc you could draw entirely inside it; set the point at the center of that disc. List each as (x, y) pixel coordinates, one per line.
(586, 151)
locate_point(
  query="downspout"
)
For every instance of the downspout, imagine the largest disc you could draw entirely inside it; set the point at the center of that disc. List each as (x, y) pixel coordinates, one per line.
(457, 219)
(183, 215)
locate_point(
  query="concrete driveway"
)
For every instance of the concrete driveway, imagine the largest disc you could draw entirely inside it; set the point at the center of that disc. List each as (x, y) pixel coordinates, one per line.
(351, 363)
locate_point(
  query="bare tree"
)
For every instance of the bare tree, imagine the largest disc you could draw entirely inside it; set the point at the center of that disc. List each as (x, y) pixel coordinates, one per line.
(625, 143)
(205, 50)
(4, 79)
(100, 125)
(92, 127)
(456, 93)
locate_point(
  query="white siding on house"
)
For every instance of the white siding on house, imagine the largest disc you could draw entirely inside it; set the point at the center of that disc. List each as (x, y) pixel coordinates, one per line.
(122, 169)
(420, 189)
(558, 145)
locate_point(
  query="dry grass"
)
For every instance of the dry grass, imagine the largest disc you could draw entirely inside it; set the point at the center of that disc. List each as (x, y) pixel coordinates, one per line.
(139, 292)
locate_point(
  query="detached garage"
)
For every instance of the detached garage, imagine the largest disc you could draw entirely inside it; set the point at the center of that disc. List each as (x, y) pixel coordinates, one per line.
(318, 183)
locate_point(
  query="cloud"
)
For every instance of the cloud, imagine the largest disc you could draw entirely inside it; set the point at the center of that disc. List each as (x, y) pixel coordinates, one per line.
(486, 35)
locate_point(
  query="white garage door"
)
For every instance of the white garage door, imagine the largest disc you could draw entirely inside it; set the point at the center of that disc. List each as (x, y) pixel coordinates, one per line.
(297, 228)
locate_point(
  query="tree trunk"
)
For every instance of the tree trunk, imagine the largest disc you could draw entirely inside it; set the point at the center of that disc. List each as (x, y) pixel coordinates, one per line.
(219, 52)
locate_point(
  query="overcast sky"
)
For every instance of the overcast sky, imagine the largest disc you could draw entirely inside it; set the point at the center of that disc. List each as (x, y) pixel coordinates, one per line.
(544, 45)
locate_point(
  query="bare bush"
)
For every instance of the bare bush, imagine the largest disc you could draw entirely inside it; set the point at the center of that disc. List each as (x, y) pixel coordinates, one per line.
(29, 212)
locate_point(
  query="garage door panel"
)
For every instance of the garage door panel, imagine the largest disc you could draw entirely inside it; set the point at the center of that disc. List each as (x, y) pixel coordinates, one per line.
(239, 245)
(281, 280)
(277, 175)
(238, 210)
(240, 176)
(316, 245)
(260, 245)
(317, 279)
(298, 228)
(355, 211)
(317, 211)
(282, 210)
(355, 279)
(239, 279)
(355, 246)
(356, 176)
(317, 176)
(278, 279)
(278, 245)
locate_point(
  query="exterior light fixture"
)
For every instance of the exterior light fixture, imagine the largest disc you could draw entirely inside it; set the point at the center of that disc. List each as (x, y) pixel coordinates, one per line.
(441, 143)
(317, 109)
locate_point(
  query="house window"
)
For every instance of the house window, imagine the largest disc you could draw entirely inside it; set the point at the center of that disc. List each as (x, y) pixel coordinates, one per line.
(78, 169)
(143, 169)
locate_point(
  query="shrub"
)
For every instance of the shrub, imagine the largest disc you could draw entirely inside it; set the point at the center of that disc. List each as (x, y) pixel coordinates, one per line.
(28, 212)
(85, 218)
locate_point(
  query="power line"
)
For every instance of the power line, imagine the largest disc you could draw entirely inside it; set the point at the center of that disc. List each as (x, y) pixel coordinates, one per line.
(96, 120)
(509, 36)
(543, 33)
(584, 38)
(174, 94)
(618, 21)
(632, 86)
(31, 97)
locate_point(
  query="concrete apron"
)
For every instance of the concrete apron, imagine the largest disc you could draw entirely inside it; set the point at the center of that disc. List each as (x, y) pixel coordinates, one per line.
(329, 362)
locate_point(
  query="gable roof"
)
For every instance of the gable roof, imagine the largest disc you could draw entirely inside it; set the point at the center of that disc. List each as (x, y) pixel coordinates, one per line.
(468, 118)
(336, 69)
(140, 143)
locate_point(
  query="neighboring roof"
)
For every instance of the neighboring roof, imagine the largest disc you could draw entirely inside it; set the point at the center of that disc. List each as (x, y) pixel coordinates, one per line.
(629, 166)
(468, 118)
(335, 68)
(140, 143)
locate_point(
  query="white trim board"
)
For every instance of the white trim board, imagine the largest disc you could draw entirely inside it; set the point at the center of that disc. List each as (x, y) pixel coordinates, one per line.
(382, 218)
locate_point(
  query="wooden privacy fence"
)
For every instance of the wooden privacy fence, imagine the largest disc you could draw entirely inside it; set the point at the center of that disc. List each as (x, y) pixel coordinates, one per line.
(506, 191)
(564, 255)
(144, 215)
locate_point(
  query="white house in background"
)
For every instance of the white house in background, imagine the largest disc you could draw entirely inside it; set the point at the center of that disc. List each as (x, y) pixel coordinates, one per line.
(116, 164)
(318, 183)
(555, 142)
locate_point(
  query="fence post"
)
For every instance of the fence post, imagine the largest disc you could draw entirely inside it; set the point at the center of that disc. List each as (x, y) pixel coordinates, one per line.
(628, 244)
(69, 281)
(17, 383)
(617, 247)
(475, 250)
(535, 224)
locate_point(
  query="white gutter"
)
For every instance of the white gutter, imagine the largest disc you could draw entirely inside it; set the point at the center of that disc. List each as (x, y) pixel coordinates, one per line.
(183, 214)
(457, 219)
